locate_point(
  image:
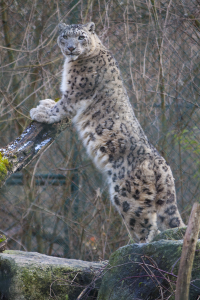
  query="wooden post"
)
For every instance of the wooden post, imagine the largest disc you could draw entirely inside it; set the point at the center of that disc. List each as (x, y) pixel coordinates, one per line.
(187, 256)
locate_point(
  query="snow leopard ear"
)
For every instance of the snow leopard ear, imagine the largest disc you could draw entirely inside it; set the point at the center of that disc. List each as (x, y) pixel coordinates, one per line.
(90, 27)
(61, 27)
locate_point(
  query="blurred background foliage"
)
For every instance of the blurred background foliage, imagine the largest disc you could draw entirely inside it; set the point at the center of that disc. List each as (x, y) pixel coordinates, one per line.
(59, 205)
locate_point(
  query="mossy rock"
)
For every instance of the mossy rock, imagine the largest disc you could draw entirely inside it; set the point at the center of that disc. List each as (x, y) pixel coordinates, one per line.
(174, 234)
(31, 276)
(145, 271)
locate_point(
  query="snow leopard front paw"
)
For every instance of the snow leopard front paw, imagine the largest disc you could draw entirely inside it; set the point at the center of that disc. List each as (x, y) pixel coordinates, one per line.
(42, 113)
(49, 103)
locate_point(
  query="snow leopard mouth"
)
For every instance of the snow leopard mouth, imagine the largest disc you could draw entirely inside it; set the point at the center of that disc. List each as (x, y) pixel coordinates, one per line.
(72, 53)
(71, 56)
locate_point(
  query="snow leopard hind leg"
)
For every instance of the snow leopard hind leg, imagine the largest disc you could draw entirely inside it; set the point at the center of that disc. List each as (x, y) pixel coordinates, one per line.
(166, 204)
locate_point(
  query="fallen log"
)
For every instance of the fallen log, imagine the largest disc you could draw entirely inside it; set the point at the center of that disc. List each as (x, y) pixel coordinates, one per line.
(34, 140)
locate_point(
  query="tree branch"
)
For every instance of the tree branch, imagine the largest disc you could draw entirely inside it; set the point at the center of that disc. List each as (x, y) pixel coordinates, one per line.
(35, 139)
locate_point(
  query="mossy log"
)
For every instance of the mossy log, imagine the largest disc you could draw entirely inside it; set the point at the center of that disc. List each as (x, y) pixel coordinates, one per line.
(34, 140)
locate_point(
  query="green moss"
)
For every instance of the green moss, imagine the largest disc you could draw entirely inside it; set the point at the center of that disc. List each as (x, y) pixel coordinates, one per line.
(10, 251)
(2, 238)
(57, 99)
(4, 166)
(140, 284)
(57, 279)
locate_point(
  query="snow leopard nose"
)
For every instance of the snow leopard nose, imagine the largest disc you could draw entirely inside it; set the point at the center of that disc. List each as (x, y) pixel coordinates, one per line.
(71, 48)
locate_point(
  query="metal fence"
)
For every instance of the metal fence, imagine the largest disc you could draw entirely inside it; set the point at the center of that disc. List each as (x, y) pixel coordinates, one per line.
(59, 205)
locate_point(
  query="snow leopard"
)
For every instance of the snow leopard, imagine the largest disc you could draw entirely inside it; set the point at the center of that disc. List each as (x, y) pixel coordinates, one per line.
(94, 98)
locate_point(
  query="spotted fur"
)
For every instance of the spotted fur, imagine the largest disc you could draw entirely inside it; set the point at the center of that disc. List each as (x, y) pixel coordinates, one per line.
(94, 97)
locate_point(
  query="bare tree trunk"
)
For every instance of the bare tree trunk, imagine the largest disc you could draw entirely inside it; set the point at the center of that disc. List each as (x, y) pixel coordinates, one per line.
(36, 138)
(187, 256)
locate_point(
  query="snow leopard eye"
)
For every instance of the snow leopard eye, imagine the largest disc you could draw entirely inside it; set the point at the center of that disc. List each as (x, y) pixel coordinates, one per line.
(81, 37)
(65, 37)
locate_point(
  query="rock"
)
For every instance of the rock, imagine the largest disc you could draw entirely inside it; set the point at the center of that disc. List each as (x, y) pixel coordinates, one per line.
(148, 271)
(135, 272)
(34, 276)
(171, 234)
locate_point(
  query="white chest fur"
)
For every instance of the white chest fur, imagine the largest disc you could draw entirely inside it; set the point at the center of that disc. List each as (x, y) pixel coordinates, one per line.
(65, 76)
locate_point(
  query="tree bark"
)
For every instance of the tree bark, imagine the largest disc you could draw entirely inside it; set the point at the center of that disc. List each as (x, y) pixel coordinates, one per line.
(187, 256)
(35, 139)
